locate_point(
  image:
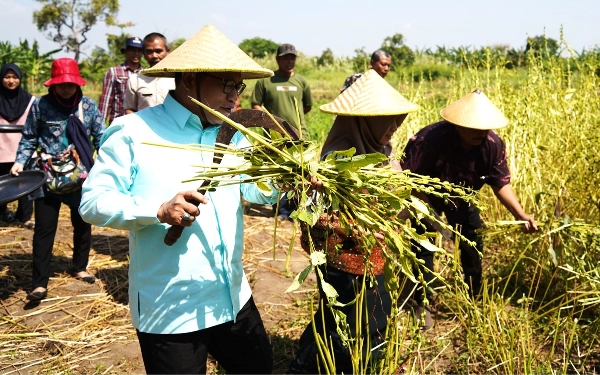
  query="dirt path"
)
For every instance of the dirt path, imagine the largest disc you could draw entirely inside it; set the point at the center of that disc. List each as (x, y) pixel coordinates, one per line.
(85, 328)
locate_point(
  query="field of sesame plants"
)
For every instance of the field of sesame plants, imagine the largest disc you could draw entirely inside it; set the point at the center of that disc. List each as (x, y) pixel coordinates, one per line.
(539, 308)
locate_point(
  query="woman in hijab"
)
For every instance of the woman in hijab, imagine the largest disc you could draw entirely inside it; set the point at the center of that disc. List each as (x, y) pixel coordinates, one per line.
(57, 120)
(14, 107)
(368, 114)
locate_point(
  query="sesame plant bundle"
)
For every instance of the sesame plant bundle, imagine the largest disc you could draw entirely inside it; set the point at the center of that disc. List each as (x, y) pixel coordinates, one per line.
(372, 202)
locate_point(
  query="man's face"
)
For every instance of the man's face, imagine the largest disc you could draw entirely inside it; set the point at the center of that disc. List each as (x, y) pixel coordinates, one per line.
(211, 93)
(133, 55)
(471, 137)
(382, 67)
(155, 51)
(286, 63)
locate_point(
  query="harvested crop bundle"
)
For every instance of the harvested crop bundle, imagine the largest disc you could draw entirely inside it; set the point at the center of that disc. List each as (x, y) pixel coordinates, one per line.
(371, 202)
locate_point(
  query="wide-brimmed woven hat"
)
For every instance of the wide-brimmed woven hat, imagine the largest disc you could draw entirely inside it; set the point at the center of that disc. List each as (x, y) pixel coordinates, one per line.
(208, 51)
(65, 70)
(370, 95)
(474, 111)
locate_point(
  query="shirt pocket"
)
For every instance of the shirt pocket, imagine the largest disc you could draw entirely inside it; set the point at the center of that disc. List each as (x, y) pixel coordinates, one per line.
(145, 92)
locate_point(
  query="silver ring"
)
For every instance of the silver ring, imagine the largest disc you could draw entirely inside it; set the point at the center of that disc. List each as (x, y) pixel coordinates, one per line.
(186, 217)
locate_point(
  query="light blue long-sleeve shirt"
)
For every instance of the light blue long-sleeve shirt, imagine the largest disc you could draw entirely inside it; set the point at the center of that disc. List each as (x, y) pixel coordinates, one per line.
(198, 282)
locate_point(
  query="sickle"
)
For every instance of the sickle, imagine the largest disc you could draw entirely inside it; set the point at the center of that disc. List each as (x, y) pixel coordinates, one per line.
(248, 118)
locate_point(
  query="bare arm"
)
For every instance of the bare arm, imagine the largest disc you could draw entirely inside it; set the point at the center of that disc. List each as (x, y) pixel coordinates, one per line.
(307, 109)
(506, 195)
(257, 106)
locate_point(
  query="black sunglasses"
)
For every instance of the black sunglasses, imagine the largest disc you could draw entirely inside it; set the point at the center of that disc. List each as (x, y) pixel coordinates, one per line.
(229, 85)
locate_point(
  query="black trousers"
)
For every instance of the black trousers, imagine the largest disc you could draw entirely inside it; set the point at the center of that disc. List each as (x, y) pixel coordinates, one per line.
(378, 305)
(25, 206)
(469, 256)
(242, 347)
(46, 216)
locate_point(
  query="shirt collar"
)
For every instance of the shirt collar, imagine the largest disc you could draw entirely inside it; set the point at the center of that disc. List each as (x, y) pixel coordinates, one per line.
(127, 67)
(180, 114)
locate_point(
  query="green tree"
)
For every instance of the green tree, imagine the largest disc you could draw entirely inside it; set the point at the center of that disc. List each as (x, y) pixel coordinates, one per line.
(97, 63)
(258, 47)
(543, 47)
(115, 43)
(176, 43)
(326, 58)
(401, 54)
(361, 59)
(67, 22)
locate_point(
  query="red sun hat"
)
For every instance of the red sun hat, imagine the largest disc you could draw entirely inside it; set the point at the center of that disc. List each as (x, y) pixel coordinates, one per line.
(65, 70)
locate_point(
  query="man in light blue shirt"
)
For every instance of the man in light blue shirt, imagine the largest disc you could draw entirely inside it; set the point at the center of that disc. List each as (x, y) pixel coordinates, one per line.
(192, 298)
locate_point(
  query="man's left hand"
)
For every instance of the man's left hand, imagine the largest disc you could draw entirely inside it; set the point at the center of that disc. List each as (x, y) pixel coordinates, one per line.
(530, 226)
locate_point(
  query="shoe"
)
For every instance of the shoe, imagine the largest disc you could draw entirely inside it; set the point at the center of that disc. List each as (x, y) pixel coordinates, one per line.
(83, 276)
(29, 224)
(37, 294)
(423, 315)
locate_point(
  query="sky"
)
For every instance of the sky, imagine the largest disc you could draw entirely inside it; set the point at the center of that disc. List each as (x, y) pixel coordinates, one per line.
(342, 26)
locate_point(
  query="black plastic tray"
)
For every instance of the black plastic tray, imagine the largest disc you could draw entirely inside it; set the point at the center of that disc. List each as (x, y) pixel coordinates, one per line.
(15, 187)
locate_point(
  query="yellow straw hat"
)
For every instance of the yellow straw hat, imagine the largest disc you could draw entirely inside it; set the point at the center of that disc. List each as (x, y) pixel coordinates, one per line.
(474, 111)
(208, 51)
(370, 95)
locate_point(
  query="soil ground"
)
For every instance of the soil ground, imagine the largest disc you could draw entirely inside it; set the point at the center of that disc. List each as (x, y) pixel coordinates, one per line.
(86, 329)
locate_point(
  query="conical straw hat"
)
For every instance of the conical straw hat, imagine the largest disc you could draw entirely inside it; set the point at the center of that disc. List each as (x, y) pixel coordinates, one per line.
(370, 95)
(474, 111)
(208, 51)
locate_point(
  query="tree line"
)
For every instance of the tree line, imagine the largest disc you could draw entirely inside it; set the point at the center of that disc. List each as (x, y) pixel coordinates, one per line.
(67, 22)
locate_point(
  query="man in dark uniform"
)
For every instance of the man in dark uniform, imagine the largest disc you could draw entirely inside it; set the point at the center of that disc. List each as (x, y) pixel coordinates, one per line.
(463, 149)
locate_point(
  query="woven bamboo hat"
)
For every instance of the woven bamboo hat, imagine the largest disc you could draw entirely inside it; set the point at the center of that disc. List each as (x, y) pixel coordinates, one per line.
(208, 51)
(474, 111)
(370, 95)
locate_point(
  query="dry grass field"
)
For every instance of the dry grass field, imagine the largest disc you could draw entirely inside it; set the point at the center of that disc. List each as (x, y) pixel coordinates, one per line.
(85, 329)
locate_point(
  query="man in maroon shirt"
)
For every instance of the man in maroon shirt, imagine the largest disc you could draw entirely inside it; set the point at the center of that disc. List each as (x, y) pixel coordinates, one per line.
(463, 149)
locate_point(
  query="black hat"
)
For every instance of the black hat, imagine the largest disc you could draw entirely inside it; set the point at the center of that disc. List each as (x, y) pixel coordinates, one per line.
(286, 49)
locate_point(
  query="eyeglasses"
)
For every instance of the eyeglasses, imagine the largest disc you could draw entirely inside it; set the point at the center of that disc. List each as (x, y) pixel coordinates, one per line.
(229, 85)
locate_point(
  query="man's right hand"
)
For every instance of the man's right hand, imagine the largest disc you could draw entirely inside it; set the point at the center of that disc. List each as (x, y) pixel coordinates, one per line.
(180, 210)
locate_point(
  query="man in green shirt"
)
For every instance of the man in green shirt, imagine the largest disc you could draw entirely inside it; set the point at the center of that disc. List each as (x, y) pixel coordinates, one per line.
(286, 94)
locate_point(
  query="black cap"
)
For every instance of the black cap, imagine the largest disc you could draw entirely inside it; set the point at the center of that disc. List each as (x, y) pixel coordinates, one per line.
(286, 49)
